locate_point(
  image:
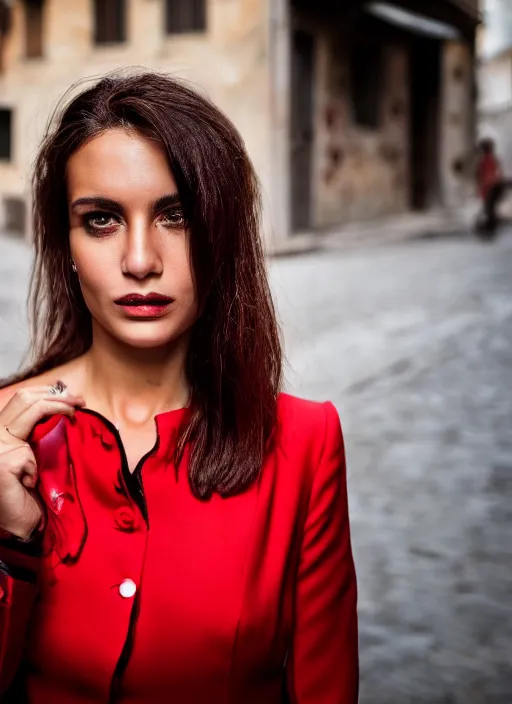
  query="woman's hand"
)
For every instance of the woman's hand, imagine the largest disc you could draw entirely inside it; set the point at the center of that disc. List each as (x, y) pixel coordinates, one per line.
(20, 512)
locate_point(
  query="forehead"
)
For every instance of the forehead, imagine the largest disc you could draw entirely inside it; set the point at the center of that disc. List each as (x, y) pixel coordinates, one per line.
(119, 164)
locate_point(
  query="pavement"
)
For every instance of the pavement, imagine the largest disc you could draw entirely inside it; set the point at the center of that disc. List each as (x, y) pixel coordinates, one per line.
(413, 343)
(456, 221)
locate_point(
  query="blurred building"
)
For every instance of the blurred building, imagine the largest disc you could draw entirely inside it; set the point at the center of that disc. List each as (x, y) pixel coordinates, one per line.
(349, 110)
(495, 77)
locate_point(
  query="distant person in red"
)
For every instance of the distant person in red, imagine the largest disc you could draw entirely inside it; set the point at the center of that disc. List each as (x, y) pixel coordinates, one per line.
(489, 176)
(489, 171)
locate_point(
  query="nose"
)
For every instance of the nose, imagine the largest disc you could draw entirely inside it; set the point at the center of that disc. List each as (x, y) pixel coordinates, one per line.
(141, 257)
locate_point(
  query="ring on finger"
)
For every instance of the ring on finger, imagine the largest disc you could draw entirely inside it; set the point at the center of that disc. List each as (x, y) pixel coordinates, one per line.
(58, 389)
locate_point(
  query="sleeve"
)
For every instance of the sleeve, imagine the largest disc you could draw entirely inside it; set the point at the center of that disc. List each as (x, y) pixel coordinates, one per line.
(19, 563)
(322, 665)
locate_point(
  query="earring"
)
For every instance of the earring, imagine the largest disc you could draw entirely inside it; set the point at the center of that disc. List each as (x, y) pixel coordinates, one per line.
(73, 266)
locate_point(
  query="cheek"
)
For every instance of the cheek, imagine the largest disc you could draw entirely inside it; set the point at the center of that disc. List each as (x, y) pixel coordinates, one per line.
(95, 280)
(95, 271)
(181, 278)
(185, 291)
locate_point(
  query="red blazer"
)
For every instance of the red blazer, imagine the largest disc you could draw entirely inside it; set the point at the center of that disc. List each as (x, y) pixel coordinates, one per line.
(150, 596)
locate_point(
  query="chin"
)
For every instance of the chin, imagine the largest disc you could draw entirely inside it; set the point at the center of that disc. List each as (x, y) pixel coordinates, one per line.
(148, 336)
(146, 343)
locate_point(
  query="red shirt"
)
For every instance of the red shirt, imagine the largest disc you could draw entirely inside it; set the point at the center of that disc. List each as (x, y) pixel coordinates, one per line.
(489, 173)
(219, 601)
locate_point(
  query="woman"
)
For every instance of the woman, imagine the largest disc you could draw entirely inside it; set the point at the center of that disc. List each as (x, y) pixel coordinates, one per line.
(175, 529)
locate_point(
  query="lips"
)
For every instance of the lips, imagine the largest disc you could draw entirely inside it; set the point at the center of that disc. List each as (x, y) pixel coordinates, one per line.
(149, 299)
(144, 307)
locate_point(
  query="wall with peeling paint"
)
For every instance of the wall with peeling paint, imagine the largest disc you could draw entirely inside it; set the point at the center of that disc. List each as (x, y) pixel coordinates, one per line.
(359, 172)
(457, 139)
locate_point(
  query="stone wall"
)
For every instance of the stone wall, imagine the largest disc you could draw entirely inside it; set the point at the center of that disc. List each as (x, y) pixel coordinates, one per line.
(359, 172)
(229, 63)
(457, 138)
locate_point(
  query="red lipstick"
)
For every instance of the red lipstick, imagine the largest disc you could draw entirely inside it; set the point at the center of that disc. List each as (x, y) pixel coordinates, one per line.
(149, 305)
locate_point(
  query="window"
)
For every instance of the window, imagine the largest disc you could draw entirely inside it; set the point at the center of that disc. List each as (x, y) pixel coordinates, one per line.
(5, 134)
(33, 28)
(109, 21)
(365, 75)
(182, 16)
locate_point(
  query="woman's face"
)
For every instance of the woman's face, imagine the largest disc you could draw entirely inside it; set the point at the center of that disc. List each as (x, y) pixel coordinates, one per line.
(129, 241)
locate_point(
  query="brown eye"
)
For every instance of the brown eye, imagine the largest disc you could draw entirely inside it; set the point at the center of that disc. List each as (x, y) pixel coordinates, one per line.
(173, 218)
(100, 223)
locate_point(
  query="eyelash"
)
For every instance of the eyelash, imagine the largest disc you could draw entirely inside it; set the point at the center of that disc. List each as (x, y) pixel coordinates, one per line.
(103, 230)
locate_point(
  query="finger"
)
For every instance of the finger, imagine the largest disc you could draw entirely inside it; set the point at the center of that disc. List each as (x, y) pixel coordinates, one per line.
(59, 390)
(24, 396)
(29, 481)
(69, 399)
(27, 396)
(23, 425)
(19, 460)
(29, 473)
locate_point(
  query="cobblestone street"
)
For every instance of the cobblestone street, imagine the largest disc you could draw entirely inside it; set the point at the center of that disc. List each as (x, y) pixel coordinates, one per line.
(413, 343)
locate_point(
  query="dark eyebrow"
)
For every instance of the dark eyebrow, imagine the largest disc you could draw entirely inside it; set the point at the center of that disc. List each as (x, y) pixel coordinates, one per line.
(99, 202)
(167, 201)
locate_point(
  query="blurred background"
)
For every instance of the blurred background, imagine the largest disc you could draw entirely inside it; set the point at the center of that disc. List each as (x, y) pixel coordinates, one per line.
(363, 120)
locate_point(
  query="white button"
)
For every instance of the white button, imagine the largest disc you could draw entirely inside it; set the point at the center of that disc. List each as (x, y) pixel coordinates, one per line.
(127, 588)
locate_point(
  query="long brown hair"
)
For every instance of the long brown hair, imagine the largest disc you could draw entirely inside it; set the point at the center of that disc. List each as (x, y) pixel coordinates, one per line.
(234, 360)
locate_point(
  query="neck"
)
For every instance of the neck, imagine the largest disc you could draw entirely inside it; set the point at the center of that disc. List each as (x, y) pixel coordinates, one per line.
(131, 385)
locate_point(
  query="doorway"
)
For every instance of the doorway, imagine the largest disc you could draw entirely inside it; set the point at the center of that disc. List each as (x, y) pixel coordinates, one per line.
(425, 85)
(302, 81)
